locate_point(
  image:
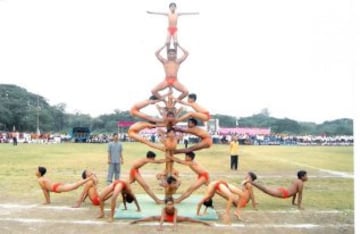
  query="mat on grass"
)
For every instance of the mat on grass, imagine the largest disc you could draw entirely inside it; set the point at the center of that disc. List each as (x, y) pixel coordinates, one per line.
(149, 208)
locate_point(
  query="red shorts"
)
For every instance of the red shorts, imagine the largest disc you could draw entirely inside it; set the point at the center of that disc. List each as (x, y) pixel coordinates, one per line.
(116, 182)
(169, 218)
(54, 187)
(170, 80)
(95, 201)
(285, 193)
(217, 185)
(207, 115)
(134, 172)
(205, 175)
(243, 202)
(172, 30)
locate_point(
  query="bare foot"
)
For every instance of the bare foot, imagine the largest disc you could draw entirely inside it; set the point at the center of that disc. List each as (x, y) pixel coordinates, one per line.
(226, 219)
(77, 205)
(237, 214)
(100, 216)
(111, 219)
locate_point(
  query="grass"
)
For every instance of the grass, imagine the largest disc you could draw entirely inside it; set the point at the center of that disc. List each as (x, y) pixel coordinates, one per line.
(275, 165)
(328, 198)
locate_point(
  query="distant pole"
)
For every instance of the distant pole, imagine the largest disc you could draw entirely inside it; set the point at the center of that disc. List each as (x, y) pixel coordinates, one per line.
(38, 119)
(7, 104)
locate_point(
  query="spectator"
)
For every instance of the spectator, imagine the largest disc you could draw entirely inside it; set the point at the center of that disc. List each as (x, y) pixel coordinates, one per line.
(115, 158)
(234, 153)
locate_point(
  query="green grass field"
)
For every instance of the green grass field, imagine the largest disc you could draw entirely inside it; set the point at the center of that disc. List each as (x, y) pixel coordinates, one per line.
(330, 188)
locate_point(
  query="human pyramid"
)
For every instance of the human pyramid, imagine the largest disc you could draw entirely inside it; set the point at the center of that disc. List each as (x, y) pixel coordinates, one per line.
(169, 135)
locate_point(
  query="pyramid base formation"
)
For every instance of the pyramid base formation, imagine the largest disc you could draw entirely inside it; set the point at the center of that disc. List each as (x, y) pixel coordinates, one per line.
(148, 207)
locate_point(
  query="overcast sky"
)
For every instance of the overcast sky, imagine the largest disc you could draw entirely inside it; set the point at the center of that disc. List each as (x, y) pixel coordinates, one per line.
(295, 58)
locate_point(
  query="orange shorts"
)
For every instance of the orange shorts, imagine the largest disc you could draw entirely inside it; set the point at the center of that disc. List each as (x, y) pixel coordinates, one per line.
(205, 175)
(134, 172)
(169, 218)
(116, 182)
(207, 115)
(95, 201)
(243, 202)
(285, 193)
(172, 30)
(217, 185)
(55, 187)
(170, 80)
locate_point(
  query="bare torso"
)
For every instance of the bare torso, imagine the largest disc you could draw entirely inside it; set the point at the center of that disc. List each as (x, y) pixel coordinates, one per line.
(295, 187)
(92, 192)
(170, 144)
(172, 19)
(171, 68)
(195, 167)
(198, 108)
(246, 191)
(139, 163)
(169, 191)
(170, 211)
(45, 183)
(198, 132)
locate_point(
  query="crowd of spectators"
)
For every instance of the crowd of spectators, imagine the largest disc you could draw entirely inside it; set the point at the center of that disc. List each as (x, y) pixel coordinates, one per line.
(244, 139)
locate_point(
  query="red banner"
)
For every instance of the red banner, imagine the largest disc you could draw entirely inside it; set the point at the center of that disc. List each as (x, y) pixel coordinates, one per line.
(124, 124)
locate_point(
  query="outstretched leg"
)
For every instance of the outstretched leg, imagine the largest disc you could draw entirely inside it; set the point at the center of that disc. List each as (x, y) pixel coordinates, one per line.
(134, 134)
(147, 189)
(190, 220)
(161, 86)
(73, 186)
(146, 219)
(270, 191)
(181, 88)
(197, 115)
(135, 111)
(190, 190)
(205, 143)
(104, 195)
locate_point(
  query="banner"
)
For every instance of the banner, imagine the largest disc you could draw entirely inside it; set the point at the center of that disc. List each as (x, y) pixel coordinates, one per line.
(124, 124)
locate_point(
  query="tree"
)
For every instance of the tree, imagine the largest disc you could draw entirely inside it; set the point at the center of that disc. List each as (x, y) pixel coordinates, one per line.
(19, 108)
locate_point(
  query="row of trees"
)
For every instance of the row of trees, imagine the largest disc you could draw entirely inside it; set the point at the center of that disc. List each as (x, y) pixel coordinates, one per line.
(26, 111)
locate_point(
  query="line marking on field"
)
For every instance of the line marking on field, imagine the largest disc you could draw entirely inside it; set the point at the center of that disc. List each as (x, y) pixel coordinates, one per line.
(31, 206)
(302, 225)
(12, 206)
(219, 225)
(340, 174)
(298, 211)
(334, 174)
(31, 220)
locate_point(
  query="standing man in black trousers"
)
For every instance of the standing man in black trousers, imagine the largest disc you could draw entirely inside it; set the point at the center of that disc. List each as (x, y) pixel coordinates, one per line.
(234, 153)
